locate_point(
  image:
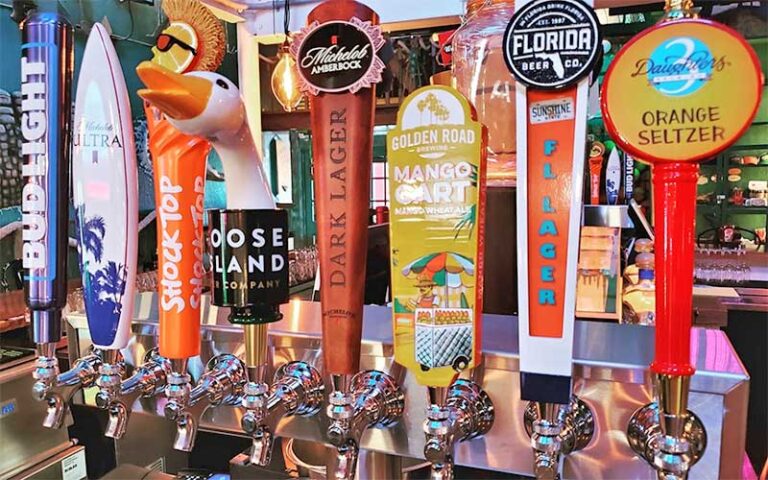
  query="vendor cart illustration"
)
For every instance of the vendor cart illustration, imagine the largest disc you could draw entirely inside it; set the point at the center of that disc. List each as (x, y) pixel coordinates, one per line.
(443, 317)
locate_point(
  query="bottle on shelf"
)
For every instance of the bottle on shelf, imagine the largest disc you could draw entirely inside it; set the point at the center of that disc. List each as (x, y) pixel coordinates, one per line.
(640, 296)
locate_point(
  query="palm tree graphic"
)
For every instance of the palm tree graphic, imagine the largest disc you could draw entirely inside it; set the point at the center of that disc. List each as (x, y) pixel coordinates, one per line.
(90, 233)
(435, 108)
(104, 287)
(111, 285)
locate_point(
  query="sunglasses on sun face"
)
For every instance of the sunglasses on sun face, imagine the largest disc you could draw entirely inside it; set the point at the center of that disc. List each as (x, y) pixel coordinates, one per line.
(166, 41)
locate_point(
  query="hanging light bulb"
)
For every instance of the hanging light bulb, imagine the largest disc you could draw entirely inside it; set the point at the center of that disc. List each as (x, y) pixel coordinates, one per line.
(285, 80)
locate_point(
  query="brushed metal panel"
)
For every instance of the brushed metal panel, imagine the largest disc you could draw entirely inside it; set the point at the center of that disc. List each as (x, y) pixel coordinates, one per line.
(610, 375)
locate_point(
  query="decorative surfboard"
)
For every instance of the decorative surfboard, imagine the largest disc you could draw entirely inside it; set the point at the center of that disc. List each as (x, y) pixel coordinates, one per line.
(552, 86)
(105, 192)
(437, 189)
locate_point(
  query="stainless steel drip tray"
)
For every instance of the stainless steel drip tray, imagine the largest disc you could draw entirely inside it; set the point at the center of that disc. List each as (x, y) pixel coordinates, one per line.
(610, 375)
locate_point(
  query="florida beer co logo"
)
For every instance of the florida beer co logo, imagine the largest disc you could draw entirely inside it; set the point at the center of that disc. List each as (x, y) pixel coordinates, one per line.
(338, 56)
(552, 43)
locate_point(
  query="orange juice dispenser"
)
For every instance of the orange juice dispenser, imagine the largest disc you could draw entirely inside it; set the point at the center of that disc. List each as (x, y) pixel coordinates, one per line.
(436, 155)
(684, 109)
(336, 54)
(551, 48)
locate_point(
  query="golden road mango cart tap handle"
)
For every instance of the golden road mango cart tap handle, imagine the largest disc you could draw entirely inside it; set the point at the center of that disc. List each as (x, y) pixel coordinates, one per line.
(437, 220)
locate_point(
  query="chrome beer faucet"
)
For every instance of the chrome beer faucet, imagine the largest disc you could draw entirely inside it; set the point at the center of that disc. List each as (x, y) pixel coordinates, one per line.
(297, 390)
(118, 396)
(665, 433)
(557, 430)
(367, 399)
(57, 389)
(461, 412)
(222, 383)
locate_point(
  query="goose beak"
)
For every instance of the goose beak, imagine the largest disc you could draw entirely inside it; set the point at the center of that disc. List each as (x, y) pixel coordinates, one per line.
(181, 97)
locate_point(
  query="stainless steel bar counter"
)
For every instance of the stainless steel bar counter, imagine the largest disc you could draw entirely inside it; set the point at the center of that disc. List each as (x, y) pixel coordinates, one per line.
(610, 374)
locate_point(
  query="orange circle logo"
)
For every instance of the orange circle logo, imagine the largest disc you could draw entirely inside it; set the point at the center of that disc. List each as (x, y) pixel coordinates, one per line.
(681, 91)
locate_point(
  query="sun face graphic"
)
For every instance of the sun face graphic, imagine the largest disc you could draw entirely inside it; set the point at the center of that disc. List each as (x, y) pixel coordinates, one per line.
(193, 40)
(176, 47)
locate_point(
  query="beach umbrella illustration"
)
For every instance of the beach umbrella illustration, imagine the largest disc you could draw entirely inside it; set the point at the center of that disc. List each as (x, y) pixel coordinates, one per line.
(444, 268)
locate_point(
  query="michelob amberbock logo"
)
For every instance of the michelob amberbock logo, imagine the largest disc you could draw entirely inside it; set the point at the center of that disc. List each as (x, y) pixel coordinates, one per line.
(552, 43)
(249, 257)
(338, 56)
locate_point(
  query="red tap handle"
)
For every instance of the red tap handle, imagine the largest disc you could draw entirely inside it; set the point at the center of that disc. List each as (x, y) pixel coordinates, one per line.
(674, 206)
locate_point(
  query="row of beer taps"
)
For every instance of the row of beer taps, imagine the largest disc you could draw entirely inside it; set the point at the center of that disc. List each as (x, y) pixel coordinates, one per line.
(189, 113)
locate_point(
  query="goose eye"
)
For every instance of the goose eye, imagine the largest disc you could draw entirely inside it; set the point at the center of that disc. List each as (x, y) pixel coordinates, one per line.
(222, 84)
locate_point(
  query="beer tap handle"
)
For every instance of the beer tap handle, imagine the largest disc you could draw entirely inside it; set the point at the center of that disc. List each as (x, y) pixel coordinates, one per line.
(105, 183)
(342, 122)
(46, 69)
(674, 204)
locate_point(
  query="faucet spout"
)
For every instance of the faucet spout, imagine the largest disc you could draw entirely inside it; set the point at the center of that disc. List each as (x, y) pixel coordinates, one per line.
(374, 399)
(297, 390)
(57, 389)
(557, 430)
(346, 460)
(668, 435)
(118, 397)
(465, 411)
(222, 383)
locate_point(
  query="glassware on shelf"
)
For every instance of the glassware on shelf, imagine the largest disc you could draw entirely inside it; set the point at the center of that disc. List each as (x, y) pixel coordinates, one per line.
(483, 77)
(722, 266)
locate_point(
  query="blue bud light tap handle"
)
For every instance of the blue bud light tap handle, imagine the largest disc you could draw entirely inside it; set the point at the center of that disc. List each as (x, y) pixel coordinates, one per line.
(46, 117)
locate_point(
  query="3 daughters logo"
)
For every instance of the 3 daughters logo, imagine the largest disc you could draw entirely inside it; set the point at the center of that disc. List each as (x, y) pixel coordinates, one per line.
(679, 66)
